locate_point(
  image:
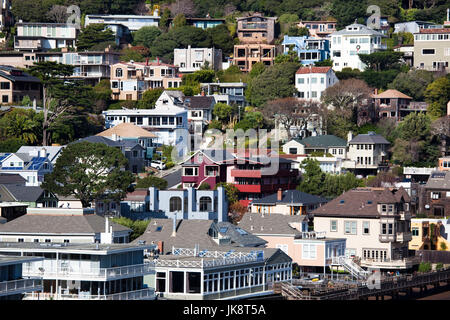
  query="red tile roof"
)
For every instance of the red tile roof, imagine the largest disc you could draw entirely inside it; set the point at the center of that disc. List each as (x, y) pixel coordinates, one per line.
(440, 30)
(391, 93)
(306, 70)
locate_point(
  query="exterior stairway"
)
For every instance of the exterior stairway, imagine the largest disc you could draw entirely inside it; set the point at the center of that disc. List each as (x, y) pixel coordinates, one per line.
(354, 269)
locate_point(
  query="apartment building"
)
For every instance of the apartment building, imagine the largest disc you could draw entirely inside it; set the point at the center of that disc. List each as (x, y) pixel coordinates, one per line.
(376, 224)
(246, 55)
(202, 23)
(395, 104)
(432, 49)
(436, 198)
(444, 164)
(355, 39)
(287, 202)
(16, 84)
(85, 271)
(33, 36)
(321, 29)
(309, 49)
(226, 92)
(131, 22)
(189, 60)
(12, 284)
(311, 82)
(32, 166)
(367, 153)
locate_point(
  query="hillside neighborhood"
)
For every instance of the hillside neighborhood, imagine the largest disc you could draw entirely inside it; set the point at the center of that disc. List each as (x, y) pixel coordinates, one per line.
(224, 150)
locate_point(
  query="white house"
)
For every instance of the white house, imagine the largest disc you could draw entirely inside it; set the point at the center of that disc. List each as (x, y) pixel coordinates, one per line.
(311, 82)
(193, 59)
(355, 39)
(32, 165)
(44, 36)
(53, 152)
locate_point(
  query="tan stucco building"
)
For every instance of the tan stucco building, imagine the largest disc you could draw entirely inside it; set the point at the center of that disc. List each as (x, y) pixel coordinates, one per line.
(432, 49)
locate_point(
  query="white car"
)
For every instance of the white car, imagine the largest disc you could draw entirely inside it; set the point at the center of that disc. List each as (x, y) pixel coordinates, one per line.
(158, 165)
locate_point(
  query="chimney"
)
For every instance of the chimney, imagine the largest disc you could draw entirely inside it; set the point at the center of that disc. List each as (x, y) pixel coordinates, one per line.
(279, 194)
(349, 136)
(161, 247)
(174, 226)
(106, 225)
(146, 62)
(157, 60)
(114, 137)
(376, 91)
(43, 153)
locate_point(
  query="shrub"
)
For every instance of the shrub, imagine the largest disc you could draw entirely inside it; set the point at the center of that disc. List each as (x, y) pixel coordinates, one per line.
(439, 266)
(204, 186)
(424, 267)
(170, 164)
(443, 246)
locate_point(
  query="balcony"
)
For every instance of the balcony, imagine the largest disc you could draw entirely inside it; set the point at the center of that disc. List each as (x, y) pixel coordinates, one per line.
(27, 44)
(144, 294)
(387, 238)
(249, 188)
(405, 263)
(8, 288)
(246, 173)
(404, 236)
(98, 274)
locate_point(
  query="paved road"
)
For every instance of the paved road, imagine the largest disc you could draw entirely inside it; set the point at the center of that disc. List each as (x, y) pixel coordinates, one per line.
(173, 178)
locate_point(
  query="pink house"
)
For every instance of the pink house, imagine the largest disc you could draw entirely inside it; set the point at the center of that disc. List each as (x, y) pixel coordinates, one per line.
(312, 251)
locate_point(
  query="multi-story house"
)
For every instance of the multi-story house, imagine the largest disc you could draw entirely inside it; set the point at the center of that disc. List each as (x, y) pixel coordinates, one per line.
(127, 81)
(309, 49)
(436, 196)
(444, 164)
(16, 84)
(376, 224)
(187, 203)
(162, 75)
(32, 196)
(256, 36)
(321, 29)
(395, 104)
(12, 284)
(90, 66)
(414, 26)
(33, 36)
(287, 202)
(163, 120)
(200, 109)
(355, 39)
(86, 271)
(193, 59)
(17, 59)
(432, 49)
(311, 82)
(311, 251)
(53, 152)
(367, 153)
(430, 234)
(202, 23)
(226, 92)
(326, 144)
(32, 166)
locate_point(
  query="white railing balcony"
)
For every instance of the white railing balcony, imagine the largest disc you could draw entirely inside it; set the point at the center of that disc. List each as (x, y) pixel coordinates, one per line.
(104, 274)
(144, 294)
(20, 286)
(387, 238)
(311, 235)
(418, 171)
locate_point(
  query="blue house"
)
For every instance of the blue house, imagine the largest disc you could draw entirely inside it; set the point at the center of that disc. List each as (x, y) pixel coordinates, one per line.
(308, 49)
(185, 204)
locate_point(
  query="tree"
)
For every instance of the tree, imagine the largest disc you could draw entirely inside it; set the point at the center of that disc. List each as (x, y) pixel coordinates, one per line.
(412, 83)
(275, 82)
(441, 129)
(346, 11)
(149, 98)
(204, 186)
(164, 21)
(102, 95)
(145, 36)
(94, 34)
(58, 14)
(138, 226)
(414, 126)
(89, 171)
(383, 180)
(223, 112)
(221, 39)
(292, 113)
(295, 31)
(11, 145)
(313, 177)
(152, 181)
(290, 56)
(129, 54)
(437, 95)
(179, 21)
(230, 190)
(378, 79)
(20, 124)
(324, 63)
(236, 211)
(186, 7)
(382, 60)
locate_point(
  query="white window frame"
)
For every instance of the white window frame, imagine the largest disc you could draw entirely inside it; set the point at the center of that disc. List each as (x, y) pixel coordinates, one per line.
(309, 251)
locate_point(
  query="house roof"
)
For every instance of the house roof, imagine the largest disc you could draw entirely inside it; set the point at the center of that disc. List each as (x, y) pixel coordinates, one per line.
(391, 93)
(437, 30)
(127, 130)
(199, 102)
(273, 223)
(6, 178)
(323, 141)
(369, 138)
(22, 193)
(238, 236)
(217, 156)
(362, 30)
(439, 180)
(48, 224)
(290, 196)
(52, 151)
(138, 194)
(361, 202)
(99, 139)
(5, 72)
(306, 70)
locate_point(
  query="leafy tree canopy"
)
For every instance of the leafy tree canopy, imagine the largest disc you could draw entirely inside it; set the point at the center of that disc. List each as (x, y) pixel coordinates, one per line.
(152, 181)
(94, 34)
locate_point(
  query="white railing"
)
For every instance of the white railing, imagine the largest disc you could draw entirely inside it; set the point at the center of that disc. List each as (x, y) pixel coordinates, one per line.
(311, 235)
(354, 269)
(144, 294)
(201, 263)
(22, 285)
(421, 171)
(34, 269)
(212, 254)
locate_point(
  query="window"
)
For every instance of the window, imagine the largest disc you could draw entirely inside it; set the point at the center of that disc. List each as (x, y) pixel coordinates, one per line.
(313, 94)
(5, 98)
(205, 204)
(427, 51)
(313, 80)
(415, 231)
(350, 227)
(5, 85)
(333, 225)
(366, 227)
(175, 204)
(190, 171)
(292, 150)
(435, 195)
(211, 171)
(301, 81)
(119, 72)
(20, 240)
(309, 251)
(48, 240)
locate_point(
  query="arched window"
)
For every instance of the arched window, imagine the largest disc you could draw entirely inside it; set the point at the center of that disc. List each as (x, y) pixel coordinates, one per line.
(119, 73)
(175, 204)
(205, 204)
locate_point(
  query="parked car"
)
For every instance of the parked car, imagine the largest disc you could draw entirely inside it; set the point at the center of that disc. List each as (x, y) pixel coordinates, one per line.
(158, 165)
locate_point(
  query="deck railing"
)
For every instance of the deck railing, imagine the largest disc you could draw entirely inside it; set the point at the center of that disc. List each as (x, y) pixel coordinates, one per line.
(18, 286)
(144, 294)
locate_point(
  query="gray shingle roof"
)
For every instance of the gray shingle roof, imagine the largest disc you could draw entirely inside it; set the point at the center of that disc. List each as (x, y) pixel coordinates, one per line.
(369, 138)
(439, 180)
(87, 224)
(239, 238)
(272, 223)
(323, 141)
(363, 30)
(291, 196)
(199, 102)
(98, 139)
(22, 193)
(11, 179)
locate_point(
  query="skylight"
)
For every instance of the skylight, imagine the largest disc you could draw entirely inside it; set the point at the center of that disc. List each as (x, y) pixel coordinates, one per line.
(223, 229)
(158, 229)
(243, 232)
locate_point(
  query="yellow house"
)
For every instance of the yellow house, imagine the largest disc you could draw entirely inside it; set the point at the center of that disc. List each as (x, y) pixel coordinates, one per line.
(429, 234)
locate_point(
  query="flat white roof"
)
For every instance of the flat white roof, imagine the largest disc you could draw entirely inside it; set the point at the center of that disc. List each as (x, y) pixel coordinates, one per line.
(146, 112)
